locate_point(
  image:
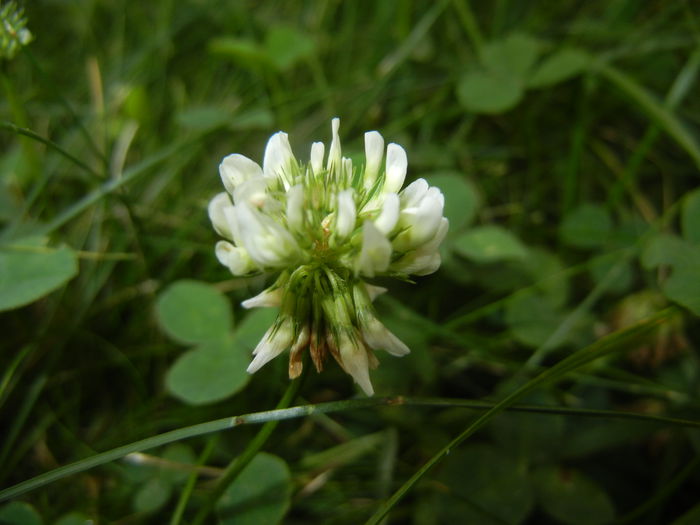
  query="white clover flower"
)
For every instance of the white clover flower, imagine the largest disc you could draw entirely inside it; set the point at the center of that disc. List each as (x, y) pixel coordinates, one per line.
(326, 228)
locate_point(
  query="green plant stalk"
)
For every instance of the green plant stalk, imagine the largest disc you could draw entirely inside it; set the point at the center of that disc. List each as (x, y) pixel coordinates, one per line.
(227, 423)
(111, 186)
(239, 463)
(680, 88)
(466, 15)
(664, 492)
(606, 346)
(49, 84)
(51, 144)
(28, 402)
(191, 481)
(655, 110)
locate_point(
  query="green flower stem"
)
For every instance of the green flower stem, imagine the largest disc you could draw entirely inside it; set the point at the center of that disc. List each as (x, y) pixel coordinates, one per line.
(680, 88)
(83, 130)
(655, 110)
(112, 185)
(227, 423)
(51, 144)
(606, 346)
(191, 481)
(239, 463)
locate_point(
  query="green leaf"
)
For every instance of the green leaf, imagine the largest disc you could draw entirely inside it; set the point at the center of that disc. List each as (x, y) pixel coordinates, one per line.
(209, 373)
(243, 51)
(204, 118)
(193, 312)
(560, 66)
(532, 319)
(178, 453)
(490, 243)
(260, 494)
(571, 498)
(683, 285)
(530, 438)
(624, 273)
(74, 518)
(488, 92)
(286, 46)
(30, 270)
(512, 56)
(588, 226)
(485, 486)
(548, 274)
(461, 198)
(151, 496)
(690, 217)
(254, 325)
(19, 513)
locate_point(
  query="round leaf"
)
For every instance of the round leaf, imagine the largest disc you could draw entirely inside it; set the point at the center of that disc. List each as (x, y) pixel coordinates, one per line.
(488, 244)
(211, 372)
(461, 198)
(571, 498)
(532, 319)
(690, 218)
(286, 46)
(260, 494)
(488, 92)
(512, 56)
(588, 226)
(19, 513)
(562, 65)
(193, 312)
(74, 518)
(151, 496)
(30, 270)
(485, 486)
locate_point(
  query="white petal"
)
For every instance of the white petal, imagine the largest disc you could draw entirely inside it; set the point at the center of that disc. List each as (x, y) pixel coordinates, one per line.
(347, 167)
(413, 193)
(355, 362)
(253, 191)
(396, 165)
(345, 214)
(236, 169)
(420, 223)
(375, 254)
(267, 242)
(426, 258)
(374, 291)
(217, 214)
(278, 159)
(295, 207)
(377, 336)
(317, 149)
(389, 215)
(334, 153)
(230, 214)
(266, 298)
(374, 151)
(236, 259)
(275, 341)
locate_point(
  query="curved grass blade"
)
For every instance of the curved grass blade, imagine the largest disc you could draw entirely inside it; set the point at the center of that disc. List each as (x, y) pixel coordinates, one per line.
(307, 410)
(606, 346)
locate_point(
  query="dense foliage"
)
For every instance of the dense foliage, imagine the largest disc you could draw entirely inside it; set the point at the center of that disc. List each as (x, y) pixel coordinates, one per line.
(564, 136)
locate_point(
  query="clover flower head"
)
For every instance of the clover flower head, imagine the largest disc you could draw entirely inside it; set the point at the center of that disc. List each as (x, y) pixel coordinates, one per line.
(13, 31)
(325, 226)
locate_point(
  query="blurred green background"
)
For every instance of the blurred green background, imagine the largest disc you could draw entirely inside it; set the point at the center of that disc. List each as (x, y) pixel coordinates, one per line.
(565, 139)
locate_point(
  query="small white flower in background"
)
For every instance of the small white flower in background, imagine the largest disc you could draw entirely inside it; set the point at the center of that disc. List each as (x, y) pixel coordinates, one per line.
(326, 228)
(13, 31)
